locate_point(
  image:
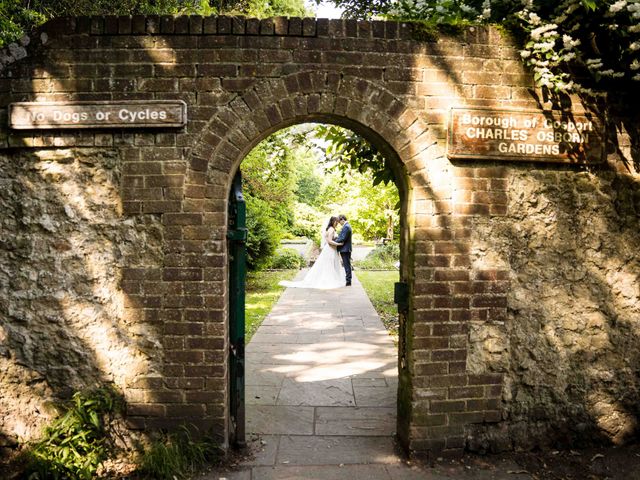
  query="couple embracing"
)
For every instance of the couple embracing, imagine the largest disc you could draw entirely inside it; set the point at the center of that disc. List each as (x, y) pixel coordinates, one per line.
(328, 271)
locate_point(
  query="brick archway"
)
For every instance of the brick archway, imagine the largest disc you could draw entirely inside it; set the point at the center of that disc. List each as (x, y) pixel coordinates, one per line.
(326, 97)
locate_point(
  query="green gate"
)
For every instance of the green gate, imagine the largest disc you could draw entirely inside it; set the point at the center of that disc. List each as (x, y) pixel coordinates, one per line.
(237, 248)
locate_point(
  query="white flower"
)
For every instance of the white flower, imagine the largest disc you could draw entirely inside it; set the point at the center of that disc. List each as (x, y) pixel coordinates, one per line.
(544, 46)
(466, 8)
(565, 86)
(635, 65)
(634, 28)
(537, 33)
(616, 7)
(636, 77)
(634, 46)
(525, 53)
(569, 56)
(569, 42)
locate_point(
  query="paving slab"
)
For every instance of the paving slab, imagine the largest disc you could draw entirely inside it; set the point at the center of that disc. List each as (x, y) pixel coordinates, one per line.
(263, 374)
(329, 392)
(350, 421)
(375, 396)
(335, 450)
(261, 394)
(264, 449)
(280, 420)
(351, 472)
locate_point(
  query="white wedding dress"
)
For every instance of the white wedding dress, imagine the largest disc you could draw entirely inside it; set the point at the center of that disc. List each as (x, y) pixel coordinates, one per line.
(327, 271)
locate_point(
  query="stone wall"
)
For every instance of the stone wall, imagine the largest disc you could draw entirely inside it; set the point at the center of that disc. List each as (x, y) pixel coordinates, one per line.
(568, 345)
(523, 277)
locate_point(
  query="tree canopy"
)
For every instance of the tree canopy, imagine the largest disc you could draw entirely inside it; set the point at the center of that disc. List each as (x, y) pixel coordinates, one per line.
(18, 17)
(585, 46)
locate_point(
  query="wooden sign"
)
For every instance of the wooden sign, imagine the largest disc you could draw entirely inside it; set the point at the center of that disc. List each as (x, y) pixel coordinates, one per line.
(125, 114)
(528, 136)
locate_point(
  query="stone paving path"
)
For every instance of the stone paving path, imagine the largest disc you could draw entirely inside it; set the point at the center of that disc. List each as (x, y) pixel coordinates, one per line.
(321, 382)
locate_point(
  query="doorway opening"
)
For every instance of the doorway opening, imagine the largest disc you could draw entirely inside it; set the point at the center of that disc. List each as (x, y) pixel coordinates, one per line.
(320, 367)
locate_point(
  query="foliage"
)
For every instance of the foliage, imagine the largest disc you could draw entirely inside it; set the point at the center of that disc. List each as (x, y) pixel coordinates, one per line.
(308, 178)
(307, 222)
(379, 287)
(287, 259)
(14, 16)
(599, 40)
(383, 257)
(348, 151)
(269, 185)
(372, 211)
(584, 46)
(75, 444)
(18, 17)
(177, 455)
(263, 233)
(263, 292)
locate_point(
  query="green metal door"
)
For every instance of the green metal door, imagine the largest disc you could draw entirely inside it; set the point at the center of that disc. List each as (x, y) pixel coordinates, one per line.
(237, 248)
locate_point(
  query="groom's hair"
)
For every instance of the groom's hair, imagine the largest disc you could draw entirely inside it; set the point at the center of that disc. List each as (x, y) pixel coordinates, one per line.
(342, 217)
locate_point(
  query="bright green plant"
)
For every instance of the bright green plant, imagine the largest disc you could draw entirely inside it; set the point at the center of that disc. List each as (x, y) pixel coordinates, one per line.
(18, 17)
(347, 151)
(177, 455)
(308, 222)
(75, 444)
(383, 257)
(263, 291)
(264, 233)
(287, 259)
(379, 286)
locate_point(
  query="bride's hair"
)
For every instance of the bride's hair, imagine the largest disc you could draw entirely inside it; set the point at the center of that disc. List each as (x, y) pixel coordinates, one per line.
(332, 222)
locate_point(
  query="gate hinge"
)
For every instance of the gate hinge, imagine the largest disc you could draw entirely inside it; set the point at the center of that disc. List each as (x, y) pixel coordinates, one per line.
(401, 296)
(238, 235)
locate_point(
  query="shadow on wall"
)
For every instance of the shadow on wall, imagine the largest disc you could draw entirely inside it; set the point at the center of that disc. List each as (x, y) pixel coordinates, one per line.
(64, 326)
(69, 321)
(570, 347)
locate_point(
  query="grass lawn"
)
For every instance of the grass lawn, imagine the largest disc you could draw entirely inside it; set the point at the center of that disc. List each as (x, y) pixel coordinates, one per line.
(263, 292)
(379, 288)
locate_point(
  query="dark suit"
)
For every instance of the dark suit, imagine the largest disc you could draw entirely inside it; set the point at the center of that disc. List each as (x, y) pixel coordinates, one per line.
(345, 249)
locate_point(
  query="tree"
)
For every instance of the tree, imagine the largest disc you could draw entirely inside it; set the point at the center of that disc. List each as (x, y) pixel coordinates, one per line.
(347, 151)
(269, 185)
(18, 17)
(584, 46)
(371, 210)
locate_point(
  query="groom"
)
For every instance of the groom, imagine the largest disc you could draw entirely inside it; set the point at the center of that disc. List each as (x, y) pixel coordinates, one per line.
(345, 248)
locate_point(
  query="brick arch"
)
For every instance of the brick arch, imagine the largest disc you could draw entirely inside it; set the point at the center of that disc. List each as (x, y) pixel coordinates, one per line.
(327, 97)
(320, 96)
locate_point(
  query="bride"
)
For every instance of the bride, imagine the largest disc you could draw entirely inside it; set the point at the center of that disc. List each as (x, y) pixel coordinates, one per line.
(326, 272)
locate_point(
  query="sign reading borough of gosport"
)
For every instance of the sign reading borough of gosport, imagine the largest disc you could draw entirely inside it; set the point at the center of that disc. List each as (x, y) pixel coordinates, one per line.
(523, 136)
(125, 114)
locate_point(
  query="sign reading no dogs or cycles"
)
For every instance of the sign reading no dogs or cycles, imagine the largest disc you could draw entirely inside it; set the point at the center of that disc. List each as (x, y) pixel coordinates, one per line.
(524, 136)
(125, 114)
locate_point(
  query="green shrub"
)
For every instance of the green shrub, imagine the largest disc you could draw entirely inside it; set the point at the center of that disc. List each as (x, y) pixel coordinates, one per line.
(263, 234)
(307, 222)
(286, 259)
(75, 444)
(177, 455)
(383, 257)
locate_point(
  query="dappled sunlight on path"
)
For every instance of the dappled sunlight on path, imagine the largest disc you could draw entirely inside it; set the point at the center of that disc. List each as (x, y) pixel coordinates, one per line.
(321, 382)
